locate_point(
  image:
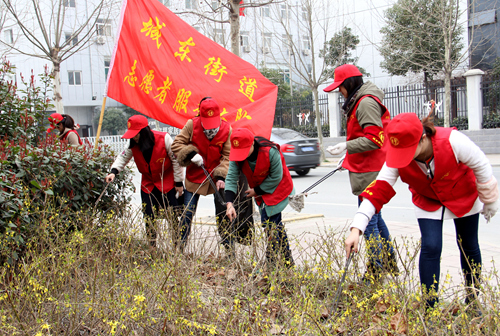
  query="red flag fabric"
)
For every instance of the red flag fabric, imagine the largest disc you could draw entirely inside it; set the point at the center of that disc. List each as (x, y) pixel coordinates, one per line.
(162, 67)
(242, 13)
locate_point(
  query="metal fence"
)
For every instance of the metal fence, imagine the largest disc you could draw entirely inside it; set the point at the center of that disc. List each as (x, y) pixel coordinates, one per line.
(116, 142)
(300, 112)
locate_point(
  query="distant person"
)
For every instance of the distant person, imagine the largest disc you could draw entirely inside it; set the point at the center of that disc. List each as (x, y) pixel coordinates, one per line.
(449, 178)
(161, 174)
(66, 127)
(204, 140)
(367, 118)
(270, 184)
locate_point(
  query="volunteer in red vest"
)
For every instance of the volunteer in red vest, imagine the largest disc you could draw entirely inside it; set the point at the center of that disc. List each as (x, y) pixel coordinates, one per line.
(66, 127)
(204, 140)
(449, 178)
(162, 176)
(366, 119)
(270, 183)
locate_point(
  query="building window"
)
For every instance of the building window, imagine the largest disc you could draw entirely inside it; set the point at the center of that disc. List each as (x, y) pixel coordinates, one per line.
(103, 27)
(304, 14)
(73, 39)
(106, 68)
(8, 36)
(286, 76)
(266, 42)
(69, 3)
(244, 38)
(265, 11)
(166, 3)
(219, 36)
(284, 13)
(75, 77)
(287, 42)
(215, 5)
(190, 4)
(306, 44)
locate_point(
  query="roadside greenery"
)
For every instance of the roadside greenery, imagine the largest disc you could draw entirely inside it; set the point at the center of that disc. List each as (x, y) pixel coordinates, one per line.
(40, 175)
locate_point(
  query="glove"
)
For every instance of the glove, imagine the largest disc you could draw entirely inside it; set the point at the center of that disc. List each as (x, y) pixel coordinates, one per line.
(489, 210)
(337, 149)
(341, 162)
(197, 160)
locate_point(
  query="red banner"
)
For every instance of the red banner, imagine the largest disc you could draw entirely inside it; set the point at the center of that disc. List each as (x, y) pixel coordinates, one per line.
(162, 67)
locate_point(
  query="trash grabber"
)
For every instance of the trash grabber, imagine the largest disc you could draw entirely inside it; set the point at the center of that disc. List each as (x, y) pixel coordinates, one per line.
(341, 284)
(212, 183)
(297, 201)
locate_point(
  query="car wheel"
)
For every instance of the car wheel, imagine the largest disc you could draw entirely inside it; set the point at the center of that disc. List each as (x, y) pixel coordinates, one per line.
(302, 172)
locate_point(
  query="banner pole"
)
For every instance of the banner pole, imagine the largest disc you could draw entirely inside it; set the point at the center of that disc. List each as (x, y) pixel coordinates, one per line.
(100, 122)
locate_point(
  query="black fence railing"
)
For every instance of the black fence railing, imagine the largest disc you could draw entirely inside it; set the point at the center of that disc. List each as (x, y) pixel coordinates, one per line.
(490, 87)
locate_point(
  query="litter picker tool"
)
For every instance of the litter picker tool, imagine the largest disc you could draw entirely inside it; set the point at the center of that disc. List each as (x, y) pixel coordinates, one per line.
(212, 183)
(297, 201)
(341, 284)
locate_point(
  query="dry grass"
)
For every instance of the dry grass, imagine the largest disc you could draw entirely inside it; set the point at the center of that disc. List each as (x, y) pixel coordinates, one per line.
(106, 280)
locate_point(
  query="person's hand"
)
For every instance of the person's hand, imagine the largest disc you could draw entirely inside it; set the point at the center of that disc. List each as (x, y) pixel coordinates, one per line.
(250, 193)
(197, 160)
(337, 149)
(110, 178)
(220, 184)
(179, 191)
(230, 211)
(352, 242)
(489, 210)
(341, 162)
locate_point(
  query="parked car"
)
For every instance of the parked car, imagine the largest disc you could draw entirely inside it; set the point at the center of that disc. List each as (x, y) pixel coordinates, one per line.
(301, 153)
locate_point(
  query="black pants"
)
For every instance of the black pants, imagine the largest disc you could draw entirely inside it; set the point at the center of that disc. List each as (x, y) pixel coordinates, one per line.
(151, 204)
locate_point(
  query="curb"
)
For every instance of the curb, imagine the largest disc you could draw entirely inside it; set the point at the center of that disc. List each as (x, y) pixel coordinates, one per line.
(210, 220)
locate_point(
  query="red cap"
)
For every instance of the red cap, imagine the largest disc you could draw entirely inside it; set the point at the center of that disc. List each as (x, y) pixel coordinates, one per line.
(241, 142)
(135, 124)
(341, 74)
(404, 133)
(54, 119)
(210, 113)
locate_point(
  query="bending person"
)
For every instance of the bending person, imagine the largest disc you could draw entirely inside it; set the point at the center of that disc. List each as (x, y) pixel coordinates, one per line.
(269, 179)
(367, 118)
(66, 127)
(162, 176)
(204, 140)
(449, 178)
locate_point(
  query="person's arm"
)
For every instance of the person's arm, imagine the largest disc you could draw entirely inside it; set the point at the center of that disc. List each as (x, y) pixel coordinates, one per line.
(182, 148)
(467, 152)
(231, 188)
(178, 170)
(270, 183)
(120, 162)
(222, 170)
(72, 139)
(369, 114)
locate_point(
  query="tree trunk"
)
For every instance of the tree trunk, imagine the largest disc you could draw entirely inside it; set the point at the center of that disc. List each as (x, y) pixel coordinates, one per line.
(234, 18)
(318, 124)
(57, 87)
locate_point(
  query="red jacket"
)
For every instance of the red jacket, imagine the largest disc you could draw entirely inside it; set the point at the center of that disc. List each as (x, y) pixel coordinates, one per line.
(159, 172)
(369, 161)
(256, 177)
(453, 184)
(65, 135)
(211, 151)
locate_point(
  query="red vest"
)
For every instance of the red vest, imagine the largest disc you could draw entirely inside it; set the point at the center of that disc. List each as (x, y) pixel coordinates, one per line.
(65, 135)
(261, 171)
(159, 172)
(369, 161)
(453, 184)
(211, 151)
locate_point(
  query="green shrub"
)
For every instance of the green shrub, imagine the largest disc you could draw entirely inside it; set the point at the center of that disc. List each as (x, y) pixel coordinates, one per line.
(38, 174)
(311, 130)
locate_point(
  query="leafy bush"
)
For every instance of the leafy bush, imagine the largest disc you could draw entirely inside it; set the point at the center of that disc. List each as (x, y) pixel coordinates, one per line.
(40, 174)
(491, 120)
(311, 130)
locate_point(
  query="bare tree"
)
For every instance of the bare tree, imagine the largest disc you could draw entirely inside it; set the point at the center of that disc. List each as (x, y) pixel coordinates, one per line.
(303, 55)
(226, 12)
(427, 36)
(44, 23)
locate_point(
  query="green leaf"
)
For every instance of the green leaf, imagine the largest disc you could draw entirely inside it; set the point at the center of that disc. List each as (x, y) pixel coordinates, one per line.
(36, 184)
(49, 192)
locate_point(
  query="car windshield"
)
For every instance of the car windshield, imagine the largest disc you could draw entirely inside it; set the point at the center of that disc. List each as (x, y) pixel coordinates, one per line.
(288, 134)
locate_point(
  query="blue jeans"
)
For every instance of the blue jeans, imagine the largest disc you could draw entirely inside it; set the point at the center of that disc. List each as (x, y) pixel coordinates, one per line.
(190, 204)
(432, 244)
(277, 239)
(378, 235)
